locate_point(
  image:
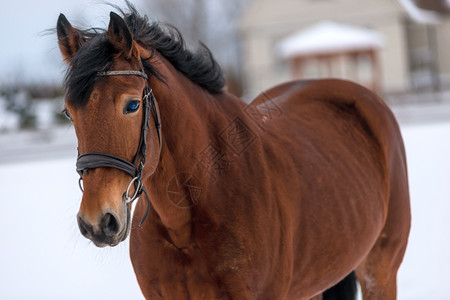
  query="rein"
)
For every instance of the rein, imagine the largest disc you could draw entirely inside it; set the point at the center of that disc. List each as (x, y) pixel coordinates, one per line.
(93, 160)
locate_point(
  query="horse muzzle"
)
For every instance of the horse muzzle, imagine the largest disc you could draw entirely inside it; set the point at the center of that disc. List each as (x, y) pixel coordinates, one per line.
(108, 230)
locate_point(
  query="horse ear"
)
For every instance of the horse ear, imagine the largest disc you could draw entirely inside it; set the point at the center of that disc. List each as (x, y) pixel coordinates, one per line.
(69, 39)
(119, 35)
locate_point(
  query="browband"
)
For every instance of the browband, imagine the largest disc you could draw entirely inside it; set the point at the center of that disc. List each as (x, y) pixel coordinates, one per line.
(123, 72)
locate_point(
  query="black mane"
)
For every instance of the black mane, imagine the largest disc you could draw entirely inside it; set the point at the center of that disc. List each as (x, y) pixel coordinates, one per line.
(97, 54)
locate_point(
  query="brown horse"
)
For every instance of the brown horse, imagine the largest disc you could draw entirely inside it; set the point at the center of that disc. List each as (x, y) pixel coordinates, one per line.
(279, 199)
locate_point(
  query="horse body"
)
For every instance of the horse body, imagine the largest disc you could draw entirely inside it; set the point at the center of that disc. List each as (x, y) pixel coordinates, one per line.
(279, 199)
(313, 178)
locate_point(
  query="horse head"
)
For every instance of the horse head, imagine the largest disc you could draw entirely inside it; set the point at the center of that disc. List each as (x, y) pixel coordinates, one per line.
(107, 102)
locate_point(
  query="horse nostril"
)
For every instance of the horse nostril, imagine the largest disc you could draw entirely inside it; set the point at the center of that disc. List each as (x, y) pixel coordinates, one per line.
(109, 224)
(85, 228)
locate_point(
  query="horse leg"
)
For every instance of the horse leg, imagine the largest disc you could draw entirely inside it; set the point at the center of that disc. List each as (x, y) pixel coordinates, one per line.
(377, 274)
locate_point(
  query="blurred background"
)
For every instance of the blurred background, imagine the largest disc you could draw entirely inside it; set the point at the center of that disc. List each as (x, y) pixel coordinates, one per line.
(397, 48)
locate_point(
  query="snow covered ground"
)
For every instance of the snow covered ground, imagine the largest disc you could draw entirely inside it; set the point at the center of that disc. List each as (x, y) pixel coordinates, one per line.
(425, 273)
(43, 255)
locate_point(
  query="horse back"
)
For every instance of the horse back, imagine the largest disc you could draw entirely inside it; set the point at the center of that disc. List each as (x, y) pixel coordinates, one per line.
(305, 99)
(312, 110)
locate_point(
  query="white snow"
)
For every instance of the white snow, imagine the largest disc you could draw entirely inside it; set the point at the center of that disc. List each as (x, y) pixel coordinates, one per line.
(43, 255)
(329, 37)
(425, 273)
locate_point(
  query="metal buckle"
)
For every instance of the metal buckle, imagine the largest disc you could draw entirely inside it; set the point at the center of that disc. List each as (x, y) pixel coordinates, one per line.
(126, 196)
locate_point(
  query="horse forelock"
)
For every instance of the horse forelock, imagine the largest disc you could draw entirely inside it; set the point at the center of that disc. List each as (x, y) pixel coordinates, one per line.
(94, 56)
(97, 54)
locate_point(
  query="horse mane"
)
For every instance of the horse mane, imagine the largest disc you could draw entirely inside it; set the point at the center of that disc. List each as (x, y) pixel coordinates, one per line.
(97, 55)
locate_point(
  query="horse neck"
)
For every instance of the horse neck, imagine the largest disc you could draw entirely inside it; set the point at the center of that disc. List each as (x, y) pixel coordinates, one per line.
(191, 119)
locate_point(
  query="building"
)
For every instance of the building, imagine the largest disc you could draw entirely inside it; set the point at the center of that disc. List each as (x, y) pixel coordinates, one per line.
(413, 56)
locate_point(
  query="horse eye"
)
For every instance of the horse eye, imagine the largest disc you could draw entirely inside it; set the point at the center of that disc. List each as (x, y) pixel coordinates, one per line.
(132, 107)
(67, 114)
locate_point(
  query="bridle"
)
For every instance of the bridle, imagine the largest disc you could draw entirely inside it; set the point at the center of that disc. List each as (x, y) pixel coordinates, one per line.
(92, 160)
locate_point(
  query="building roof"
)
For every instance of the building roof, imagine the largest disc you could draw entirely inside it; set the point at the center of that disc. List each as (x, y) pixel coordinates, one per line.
(329, 37)
(418, 14)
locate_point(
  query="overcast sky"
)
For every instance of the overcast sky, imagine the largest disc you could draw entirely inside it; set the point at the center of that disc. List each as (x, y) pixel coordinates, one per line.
(27, 52)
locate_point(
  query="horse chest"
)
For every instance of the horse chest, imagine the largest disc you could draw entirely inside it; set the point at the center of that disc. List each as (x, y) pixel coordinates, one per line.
(166, 272)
